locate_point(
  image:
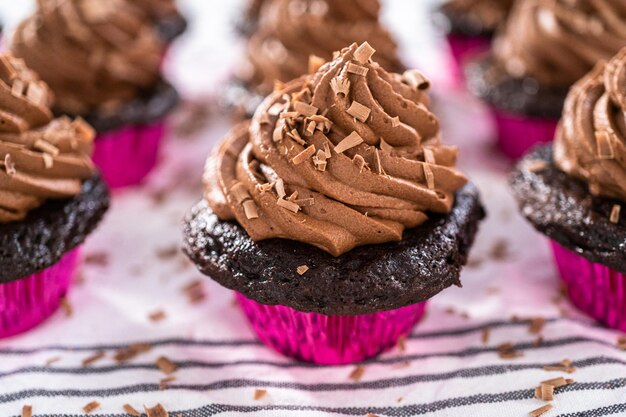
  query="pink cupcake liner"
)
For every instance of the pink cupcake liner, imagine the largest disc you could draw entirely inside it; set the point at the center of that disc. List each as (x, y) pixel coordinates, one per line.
(329, 340)
(29, 301)
(596, 289)
(464, 47)
(126, 156)
(518, 134)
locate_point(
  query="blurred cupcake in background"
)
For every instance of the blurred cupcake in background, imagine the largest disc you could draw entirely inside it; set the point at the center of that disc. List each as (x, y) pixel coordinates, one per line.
(469, 26)
(166, 17)
(575, 192)
(545, 47)
(102, 61)
(337, 212)
(51, 198)
(248, 21)
(296, 35)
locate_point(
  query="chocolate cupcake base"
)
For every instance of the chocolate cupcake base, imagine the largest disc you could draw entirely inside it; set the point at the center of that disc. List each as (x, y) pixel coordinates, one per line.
(562, 208)
(50, 231)
(366, 280)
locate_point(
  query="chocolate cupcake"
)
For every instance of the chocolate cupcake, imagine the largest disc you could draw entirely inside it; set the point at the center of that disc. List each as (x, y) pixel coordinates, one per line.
(165, 16)
(51, 198)
(292, 32)
(543, 50)
(336, 212)
(575, 192)
(469, 25)
(102, 60)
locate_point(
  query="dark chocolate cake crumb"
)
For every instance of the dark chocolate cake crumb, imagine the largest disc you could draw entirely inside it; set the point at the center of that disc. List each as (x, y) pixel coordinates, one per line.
(562, 208)
(519, 96)
(365, 280)
(51, 231)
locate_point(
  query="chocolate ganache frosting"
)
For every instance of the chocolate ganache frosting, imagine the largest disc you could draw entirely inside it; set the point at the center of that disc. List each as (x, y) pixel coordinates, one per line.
(291, 31)
(40, 158)
(557, 42)
(591, 139)
(346, 156)
(93, 54)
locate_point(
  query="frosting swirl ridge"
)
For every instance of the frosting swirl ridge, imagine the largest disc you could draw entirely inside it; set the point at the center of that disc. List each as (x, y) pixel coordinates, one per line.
(290, 31)
(347, 156)
(558, 41)
(40, 158)
(93, 54)
(591, 139)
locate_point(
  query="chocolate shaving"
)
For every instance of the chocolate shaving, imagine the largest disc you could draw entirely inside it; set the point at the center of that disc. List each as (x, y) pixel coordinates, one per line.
(547, 392)
(315, 63)
(356, 69)
(416, 79)
(130, 352)
(165, 365)
(327, 150)
(92, 406)
(604, 141)
(558, 382)
(240, 193)
(279, 131)
(537, 165)
(291, 206)
(53, 360)
(83, 129)
(507, 351)
(250, 210)
(375, 415)
(305, 202)
(621, 342)
(379, 164)
(128, 409)
(385, 146)
(259, 394)
(36, 92)
(363, 53)
(280, 188)
(340, 86)
(296, 136)
(304, 155)
(350, 141)
(157, 316)
(541, 410)
(564, 366)
(395, 122)
(430, 177)
(485, 335)
(305, 109)
(357, 373)
(319, 160)
(93, 359)
(359, 111)
(17, 89)
(429, 156)
(9, 166)
(27, 411)
(359, 161)
(195, 291)
(46, 147)
(97, 258)
(156, 411)
(401, 343)
(310, 128)
(615, 214)
(48, 160)
(536, 325)
(301, 270)
(165, 382)
(67, 307)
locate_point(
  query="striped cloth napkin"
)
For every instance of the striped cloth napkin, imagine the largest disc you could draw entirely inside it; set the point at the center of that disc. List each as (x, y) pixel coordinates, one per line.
(142, 328)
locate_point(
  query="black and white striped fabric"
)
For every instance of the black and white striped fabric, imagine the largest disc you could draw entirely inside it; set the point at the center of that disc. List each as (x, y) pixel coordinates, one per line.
(446, 369)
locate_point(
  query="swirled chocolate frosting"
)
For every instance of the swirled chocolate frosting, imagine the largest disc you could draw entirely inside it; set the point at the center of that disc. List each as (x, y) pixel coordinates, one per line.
(291, 31)
(40, 158)
(483, 15)
(347, 156)
(591, 139)
(93, 54)
(558, 41)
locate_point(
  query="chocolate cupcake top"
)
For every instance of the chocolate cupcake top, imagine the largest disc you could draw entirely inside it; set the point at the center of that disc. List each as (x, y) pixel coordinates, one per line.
(557, 42)
(93, 54)
(476, 17)
(291, 31)
(591, 139)
(347, 156)
(40, 158)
